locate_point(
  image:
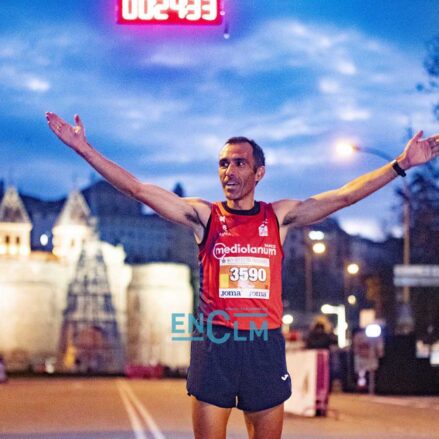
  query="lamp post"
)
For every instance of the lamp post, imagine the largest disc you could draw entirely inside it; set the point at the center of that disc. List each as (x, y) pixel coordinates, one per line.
(287, 320)
(346, 148)
(313, 241)
(350, 270)
(375, 345)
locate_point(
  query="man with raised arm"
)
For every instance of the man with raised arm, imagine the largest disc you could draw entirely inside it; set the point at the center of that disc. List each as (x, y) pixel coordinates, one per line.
(240, 254)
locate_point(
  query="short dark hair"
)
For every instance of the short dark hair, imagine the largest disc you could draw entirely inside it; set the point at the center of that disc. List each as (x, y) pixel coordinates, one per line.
(258, 153)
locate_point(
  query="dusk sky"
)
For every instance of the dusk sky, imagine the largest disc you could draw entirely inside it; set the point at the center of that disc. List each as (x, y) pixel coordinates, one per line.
(295, 75)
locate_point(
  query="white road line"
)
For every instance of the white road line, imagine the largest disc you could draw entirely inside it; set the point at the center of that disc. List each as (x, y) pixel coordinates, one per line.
(136, 423)
(153, 427)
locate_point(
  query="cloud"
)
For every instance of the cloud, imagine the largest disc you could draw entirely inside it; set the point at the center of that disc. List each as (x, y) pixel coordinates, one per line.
(342, 68)
(349, 68)
(346, 67)
(350, 114)
(14, 78)
(170, 59)
(329, 85)
(363, 226)
(168, 106)
(295, 159)
(277, 44)
(36, 84)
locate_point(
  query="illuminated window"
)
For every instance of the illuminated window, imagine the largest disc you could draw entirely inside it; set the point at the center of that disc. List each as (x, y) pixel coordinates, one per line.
(17, 240)
(7, 239)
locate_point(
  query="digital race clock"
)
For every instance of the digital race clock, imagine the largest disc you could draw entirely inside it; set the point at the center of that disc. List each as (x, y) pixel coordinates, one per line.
(169, 12)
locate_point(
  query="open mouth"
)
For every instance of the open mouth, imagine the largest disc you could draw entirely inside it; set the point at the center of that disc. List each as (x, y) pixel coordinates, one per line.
(230, 185)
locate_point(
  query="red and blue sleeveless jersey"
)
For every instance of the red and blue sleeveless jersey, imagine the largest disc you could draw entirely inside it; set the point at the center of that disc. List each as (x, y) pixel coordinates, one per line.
(241, 268)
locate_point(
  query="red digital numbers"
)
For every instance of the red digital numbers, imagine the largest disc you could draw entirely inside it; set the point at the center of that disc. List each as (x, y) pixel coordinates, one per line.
(169, 12)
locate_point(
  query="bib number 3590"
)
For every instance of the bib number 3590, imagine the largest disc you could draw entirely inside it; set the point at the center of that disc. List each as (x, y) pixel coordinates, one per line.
(248, 273)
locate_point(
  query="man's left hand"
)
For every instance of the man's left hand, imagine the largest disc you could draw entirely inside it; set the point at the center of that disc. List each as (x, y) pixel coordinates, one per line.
(419, 151)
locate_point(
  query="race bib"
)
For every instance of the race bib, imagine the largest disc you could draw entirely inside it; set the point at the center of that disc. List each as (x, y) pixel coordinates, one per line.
(244, 277)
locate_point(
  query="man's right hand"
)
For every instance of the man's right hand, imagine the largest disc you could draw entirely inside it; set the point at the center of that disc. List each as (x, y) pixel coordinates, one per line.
(73, 136)
(190, 212)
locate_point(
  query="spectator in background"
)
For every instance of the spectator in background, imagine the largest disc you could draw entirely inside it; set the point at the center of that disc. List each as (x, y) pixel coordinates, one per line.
(319, 338)
(324, 338)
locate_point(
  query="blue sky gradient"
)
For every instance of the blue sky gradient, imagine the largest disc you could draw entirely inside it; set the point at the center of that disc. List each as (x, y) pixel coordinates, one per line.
(295, 75)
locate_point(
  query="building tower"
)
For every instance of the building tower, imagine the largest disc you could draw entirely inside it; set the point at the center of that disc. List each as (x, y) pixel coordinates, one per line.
(73, 227)
(15, 225)
(90, 340)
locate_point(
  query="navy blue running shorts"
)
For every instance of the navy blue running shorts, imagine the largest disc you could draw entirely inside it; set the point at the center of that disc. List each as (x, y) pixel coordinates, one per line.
(250, 374)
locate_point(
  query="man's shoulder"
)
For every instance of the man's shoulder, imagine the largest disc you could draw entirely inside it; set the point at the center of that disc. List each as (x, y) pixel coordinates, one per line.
(283, 205)
(199, 203)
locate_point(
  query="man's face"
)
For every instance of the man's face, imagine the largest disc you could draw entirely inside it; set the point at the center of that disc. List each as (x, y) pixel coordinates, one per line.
(237, 170)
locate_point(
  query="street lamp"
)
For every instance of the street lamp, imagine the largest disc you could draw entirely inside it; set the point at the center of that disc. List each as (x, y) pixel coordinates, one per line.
(352, 299)
(287, 319)
(373, 330)
(313, 244)
(319, 248)
(353, 268)
(44, 239)
(346, 148)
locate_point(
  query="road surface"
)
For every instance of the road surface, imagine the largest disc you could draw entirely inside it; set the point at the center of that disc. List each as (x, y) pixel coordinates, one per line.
(117, 408)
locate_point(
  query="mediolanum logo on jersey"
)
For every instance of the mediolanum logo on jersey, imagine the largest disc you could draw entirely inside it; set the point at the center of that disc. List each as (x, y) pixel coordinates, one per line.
(220, 250)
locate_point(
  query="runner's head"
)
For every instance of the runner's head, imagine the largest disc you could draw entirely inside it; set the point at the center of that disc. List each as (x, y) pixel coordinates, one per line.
(241, 167)
(258, 153)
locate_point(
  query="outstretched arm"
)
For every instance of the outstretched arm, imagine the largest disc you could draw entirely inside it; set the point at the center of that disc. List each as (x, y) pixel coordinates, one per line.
(299, 213)
(190, 212)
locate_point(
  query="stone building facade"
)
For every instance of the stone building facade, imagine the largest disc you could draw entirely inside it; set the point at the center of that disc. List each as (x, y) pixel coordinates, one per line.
(34, 287)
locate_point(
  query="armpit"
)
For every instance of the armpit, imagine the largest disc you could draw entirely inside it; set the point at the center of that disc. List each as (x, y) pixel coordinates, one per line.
(290, 218)
(193, 217)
